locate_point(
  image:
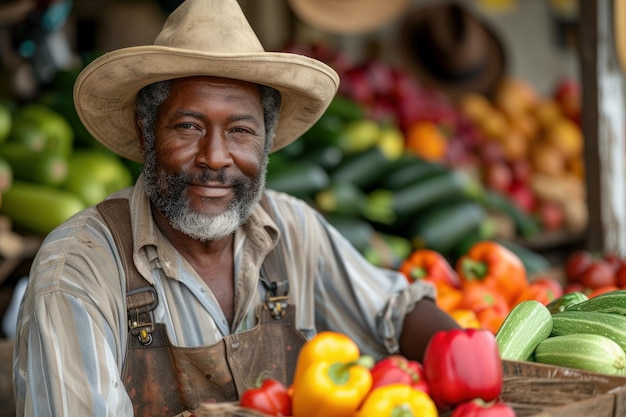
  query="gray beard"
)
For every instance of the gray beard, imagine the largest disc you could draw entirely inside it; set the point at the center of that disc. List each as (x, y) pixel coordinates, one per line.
(166, 192)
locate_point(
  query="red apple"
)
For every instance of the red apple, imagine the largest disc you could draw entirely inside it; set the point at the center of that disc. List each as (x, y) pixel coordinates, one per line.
(599, 274)
(522, 195)
(551, 215)
(522, 170)
(497, 176)
(568, 94)
(576, 263)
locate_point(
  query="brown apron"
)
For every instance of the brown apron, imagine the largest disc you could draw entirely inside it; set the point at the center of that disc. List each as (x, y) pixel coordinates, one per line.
(164, 380)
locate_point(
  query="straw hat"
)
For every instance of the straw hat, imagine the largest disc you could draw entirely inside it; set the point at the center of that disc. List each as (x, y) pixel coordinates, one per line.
(450, 48)
(348, 16)
(201, 37)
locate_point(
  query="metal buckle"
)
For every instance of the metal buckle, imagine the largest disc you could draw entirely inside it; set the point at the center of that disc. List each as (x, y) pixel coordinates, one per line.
(276, 305)
(141, 318)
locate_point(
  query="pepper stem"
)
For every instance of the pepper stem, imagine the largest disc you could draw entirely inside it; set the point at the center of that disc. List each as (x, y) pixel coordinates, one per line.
(402, 411)
(339, 372)
(473, 270)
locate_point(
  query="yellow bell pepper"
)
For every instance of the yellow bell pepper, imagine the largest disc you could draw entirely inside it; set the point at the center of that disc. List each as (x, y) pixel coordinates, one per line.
(323, 346)
(332, 379)
(397, 400)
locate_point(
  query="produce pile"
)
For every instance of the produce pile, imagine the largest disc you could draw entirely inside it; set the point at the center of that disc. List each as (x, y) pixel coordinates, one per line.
(461, 374)
(523, 148)
(50, 168)
(483, 286)
(572, 331)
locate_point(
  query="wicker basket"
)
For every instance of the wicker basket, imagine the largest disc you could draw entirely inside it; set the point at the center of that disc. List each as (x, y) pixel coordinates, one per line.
(226, 410)
(538, 390)
(532, 389)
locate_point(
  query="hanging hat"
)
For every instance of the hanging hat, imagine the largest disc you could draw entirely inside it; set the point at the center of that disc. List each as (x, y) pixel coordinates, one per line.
(619, 17)
(348, 16)
(200, 38)
(450, 48)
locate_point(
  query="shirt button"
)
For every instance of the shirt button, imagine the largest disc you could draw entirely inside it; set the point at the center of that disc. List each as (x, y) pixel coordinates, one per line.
(234, 345)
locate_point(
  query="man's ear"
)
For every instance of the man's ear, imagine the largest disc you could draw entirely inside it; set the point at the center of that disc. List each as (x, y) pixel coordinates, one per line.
(139, 130)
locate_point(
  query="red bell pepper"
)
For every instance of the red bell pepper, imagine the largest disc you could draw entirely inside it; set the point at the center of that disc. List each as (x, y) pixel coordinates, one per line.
(481, 409)
(461, 365)
(398, 369)
(272, 398)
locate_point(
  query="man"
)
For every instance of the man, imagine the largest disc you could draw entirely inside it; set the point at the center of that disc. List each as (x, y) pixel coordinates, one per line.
(189, 285)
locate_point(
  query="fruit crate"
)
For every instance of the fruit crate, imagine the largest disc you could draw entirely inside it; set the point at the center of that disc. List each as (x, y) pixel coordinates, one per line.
(539, 390)
(532, 389)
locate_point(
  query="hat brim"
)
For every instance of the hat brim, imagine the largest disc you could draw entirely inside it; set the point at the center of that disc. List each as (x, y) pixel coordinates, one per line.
(483, 82)
(340, 16)
(104, 92)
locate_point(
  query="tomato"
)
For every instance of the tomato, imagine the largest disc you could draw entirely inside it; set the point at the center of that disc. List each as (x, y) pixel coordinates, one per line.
(544, 290)
(576, 264)
(272, 398)
(599, 274)
(620, 276)
(602, 290)
(613, 259)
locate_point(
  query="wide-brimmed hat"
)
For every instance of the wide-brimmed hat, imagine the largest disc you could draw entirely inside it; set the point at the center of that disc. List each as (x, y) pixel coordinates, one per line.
(200, 38)
(449, 47)
(348, 16)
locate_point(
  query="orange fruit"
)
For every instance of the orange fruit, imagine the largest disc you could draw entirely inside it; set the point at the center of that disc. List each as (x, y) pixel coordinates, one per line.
(426, 140)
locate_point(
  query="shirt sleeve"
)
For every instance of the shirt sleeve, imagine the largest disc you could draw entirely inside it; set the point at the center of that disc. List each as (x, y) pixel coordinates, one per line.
(67, 356)
(351, 295)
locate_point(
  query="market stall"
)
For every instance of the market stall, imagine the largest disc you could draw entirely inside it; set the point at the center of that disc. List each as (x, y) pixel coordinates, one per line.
(449, 159)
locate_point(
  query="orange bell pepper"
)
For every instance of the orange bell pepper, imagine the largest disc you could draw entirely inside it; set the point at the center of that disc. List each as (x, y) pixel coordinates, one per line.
(465, 318)
(332, 379)
(431, 266)
(397, 400)
(495, 265)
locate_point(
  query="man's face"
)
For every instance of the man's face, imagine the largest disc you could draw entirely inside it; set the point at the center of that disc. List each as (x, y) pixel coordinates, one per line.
(205, 168)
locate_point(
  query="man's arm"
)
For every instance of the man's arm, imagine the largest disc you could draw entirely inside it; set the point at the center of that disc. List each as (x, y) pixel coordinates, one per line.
(420, 324)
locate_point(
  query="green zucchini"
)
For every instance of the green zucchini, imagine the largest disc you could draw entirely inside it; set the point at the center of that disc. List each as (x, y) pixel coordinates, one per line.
(328, 157)
(38, 208)
(42, 167)
(58, 135)
(591, 352)
(525, 224)
(346, 108)
(6, 175)
(398, 206)
(441, 228)
(526, 325)
(359, 232)
(341, 198)
(409, 171)
(363, 168)
(566, 301)
(609, 325)
(608, 302)
(301, 180)
(327, 131)
(387, 251)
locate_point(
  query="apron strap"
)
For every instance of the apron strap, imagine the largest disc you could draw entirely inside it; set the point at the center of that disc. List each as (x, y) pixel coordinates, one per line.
(277, 290)
(141, 297)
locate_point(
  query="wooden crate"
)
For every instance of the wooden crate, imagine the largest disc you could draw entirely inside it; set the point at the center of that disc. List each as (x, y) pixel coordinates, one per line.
(538, 390)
